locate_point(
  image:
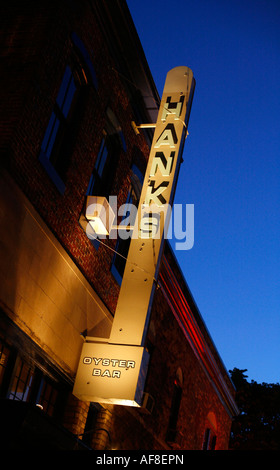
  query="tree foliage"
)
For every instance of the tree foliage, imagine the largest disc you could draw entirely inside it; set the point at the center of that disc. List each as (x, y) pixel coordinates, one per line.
(257, 427)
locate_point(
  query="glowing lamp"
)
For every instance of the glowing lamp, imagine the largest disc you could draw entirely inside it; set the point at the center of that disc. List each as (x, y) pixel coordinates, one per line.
(99, 214)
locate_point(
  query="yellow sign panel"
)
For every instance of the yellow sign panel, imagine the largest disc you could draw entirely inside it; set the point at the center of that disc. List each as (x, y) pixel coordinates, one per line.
(109, 373)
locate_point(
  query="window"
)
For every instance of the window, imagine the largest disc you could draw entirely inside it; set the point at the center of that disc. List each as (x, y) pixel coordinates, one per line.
(29, 384)
(102, 177)
(4, 356)
(206, 439)
(122, 245)
(98, 184)
(22, 382)
(209, 440)
(175, 407)
(58, 141)
(213, 442)
(58, 121)
(54, 153)
(103, 174)
(48, 396)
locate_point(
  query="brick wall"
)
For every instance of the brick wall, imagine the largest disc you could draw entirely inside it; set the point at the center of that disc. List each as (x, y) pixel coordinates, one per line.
(132, 428)
(34, 90)
(76, 415)
(36, 48)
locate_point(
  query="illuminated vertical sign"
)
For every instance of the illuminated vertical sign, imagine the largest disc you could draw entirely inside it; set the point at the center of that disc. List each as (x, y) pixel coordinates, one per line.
(136, 293)
(114, 371)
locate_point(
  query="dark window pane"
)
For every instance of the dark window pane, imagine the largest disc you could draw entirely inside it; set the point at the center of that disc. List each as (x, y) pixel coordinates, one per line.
(48, 397)
(22, 382)
(4, 355)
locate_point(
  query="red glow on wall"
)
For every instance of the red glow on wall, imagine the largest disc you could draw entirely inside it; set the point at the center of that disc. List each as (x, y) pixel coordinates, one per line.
(187, 321)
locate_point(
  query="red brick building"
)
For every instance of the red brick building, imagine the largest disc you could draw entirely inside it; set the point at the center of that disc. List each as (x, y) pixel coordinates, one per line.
(73, 79)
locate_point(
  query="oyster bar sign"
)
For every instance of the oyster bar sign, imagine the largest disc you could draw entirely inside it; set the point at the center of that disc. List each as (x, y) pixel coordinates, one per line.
(113, 374)
(104, 362)
(113, 370)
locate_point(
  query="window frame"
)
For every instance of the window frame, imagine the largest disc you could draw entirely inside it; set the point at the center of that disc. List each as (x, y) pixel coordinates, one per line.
(210, 432)
(106, 163)
(57, 143)
(122, 245)
(22, 380)
(30, 391)
(172, 429)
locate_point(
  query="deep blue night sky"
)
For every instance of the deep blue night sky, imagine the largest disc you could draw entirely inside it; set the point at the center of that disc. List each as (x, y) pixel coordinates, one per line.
(231, 169)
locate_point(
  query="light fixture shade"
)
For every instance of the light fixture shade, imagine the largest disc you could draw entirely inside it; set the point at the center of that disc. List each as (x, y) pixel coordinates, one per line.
(99, 214)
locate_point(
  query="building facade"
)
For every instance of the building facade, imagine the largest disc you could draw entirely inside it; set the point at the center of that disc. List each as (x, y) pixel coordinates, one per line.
(74, 78)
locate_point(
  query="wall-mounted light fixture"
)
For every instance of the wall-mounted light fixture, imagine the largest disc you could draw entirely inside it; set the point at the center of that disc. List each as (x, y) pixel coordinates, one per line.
(100, 216)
